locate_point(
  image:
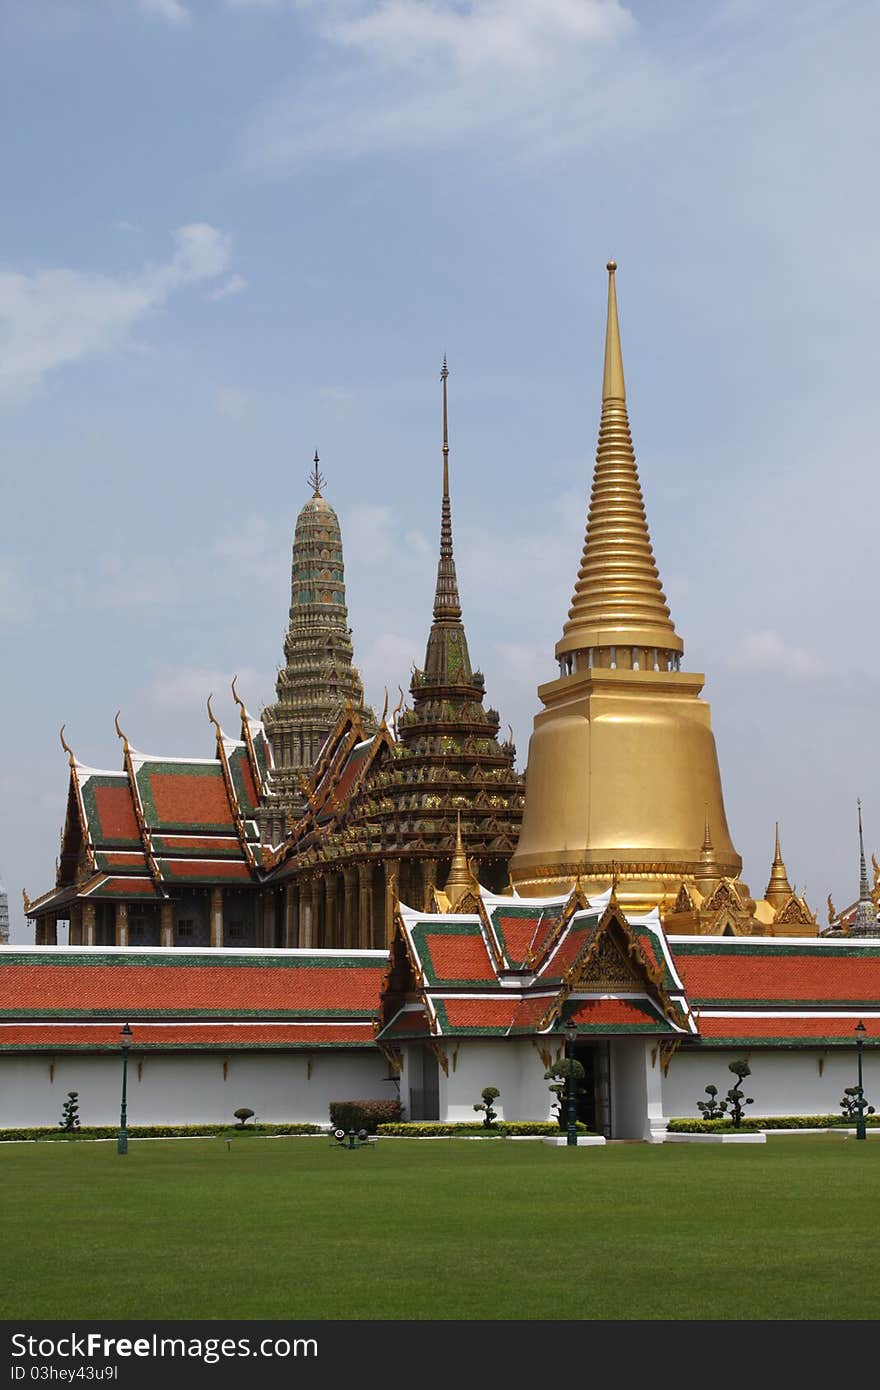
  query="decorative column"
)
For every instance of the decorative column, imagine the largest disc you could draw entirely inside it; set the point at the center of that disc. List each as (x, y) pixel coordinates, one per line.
(216, 916)
(166, 918)
(88, 923)
(392, 882)
(122, 924)
(429, 883)
(316, 934)
(269, 920)
(290, 915)
(75, 935)
(51, 931)
(331, 905)
(365, 905)
(305, 916)
(349, 923)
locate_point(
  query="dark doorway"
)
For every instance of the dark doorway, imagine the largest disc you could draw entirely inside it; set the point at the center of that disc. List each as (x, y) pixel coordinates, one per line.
(585, 1053)
(424, 1089)
(594, 1104)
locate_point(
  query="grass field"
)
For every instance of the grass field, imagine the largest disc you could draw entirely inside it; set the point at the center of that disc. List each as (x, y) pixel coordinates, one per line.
(292, 1228)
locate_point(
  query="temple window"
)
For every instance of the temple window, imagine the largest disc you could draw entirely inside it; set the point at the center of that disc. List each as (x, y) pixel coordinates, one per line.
(186, 927)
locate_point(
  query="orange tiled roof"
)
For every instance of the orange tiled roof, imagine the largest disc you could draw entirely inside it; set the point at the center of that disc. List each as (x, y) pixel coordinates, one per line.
(28, 1037)
(142, 985)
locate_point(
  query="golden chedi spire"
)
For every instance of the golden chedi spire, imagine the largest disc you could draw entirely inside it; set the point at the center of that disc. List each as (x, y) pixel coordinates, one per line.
(622, 772)
(618, 601)
(460, 880)
(778, 890)
(709, 876)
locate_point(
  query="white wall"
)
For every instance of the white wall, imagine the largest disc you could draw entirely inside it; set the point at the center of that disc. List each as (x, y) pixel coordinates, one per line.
(189, 1088)
(636, 1095)
(783, 1081)
(513, 1065)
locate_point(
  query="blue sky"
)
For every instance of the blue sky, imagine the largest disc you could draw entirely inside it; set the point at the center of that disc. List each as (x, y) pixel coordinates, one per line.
(235, 230)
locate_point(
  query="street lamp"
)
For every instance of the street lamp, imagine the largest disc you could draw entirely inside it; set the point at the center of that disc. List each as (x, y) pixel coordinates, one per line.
(570, 1031)
(125, 1044)
(860, 1118)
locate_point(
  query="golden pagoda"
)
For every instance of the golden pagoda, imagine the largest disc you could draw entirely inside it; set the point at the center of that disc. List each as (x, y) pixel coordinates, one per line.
(623, 775)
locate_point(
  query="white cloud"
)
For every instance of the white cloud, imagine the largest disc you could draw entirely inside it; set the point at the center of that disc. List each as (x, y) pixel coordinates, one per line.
(234, 285)
(172, 11)
(187, 689)
(407, 74)
(765, 650)
(51, 318)
(491, 35)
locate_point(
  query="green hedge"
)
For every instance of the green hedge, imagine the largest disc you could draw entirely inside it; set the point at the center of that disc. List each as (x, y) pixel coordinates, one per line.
(427, 1129)
(156, 1131)
(363, 1114)
(774, 1122)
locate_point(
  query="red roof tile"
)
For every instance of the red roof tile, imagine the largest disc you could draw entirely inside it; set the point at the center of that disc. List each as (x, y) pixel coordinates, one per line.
(145, 1035)
(130, 988)
(204, 869)
(458, 957)
(186, 799)
(822, 976)
(116, 814)
(785, 1026)
(480, 1013)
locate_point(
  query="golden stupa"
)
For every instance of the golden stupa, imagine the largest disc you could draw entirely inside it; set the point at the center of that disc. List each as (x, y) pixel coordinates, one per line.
(623, 775)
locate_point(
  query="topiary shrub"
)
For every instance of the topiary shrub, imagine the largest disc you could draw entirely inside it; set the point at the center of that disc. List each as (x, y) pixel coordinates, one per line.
(558, 1076)
(363, 1114)
(854, 1102)
(736, 1096)
(243, 1115)
(69, 1121)
(489, 1093)
(712, 1109)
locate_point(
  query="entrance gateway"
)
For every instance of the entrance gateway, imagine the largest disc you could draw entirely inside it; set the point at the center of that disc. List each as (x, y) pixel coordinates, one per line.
(514, 971)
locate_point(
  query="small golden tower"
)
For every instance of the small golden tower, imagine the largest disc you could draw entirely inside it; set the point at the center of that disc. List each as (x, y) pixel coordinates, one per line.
(622, 764)
(778, 890)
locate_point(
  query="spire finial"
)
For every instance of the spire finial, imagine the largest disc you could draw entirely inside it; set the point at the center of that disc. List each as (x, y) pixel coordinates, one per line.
(316, 478)
(119, 733)
(66, 746)
(778, 890)
(460, 880)
(865, 923)
(237, 698)
(212, 716)
(613, 387)
(446, 600)
(708, 847)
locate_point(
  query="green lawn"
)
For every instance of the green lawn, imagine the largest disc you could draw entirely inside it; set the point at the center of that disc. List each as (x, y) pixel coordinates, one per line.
(292, 1228)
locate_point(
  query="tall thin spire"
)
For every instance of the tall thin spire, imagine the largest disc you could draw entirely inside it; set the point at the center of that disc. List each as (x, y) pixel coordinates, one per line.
(618, 600)
(446, 601)
(865, 923)
(316, 478)
(778, 890)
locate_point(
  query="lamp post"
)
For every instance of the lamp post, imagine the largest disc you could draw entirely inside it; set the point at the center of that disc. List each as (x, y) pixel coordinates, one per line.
(860, 1118)
(125, 1044)
(570, 1031)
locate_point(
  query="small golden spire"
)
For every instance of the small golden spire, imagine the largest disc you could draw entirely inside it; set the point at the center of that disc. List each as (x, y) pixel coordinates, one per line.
(119, 733)
(460, 880)
(710, 875)
(382, 723)
(618, 599)
(778, 890)
(66, 746)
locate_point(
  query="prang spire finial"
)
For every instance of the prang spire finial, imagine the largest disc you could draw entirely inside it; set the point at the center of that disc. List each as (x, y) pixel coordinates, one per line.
(316, 478)
(446, 600)
(613, 386)
(865, 923)
(778, 890)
